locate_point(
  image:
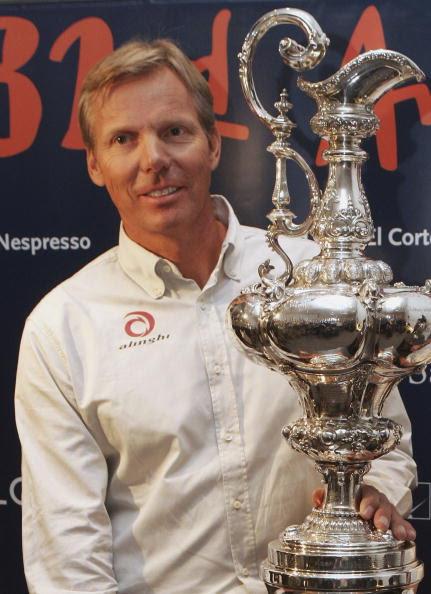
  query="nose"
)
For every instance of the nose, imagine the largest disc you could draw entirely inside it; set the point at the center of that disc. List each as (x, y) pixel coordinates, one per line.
(153, 155)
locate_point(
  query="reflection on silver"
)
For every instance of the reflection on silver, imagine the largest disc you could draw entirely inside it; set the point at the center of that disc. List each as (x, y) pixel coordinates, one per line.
(335, 325)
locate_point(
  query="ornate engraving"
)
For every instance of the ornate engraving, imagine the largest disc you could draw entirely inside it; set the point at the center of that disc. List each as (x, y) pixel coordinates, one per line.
(346, 222)
(326, 123)
(351, 439)
(350, 271)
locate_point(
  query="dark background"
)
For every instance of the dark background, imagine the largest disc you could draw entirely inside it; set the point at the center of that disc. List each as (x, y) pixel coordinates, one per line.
(45, 191)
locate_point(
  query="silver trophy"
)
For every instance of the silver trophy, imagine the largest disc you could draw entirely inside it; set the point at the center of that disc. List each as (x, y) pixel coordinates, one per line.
(336, 326)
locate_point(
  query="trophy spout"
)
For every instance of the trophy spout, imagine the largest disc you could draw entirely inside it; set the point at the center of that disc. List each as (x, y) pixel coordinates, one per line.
(363, 80)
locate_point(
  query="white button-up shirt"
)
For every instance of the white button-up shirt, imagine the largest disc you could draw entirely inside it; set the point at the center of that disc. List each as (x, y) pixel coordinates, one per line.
(152, 455)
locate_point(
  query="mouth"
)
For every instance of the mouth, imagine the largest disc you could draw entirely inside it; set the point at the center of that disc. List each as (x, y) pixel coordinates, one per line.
(168, 191)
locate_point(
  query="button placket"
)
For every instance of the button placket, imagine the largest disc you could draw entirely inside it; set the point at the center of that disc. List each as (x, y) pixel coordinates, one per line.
(231, 453)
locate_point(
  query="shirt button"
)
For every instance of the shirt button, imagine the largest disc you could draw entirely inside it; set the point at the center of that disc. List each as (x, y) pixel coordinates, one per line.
(203, 307)
(237, 504)
(227, 437)
(217, 369)
(245, 572)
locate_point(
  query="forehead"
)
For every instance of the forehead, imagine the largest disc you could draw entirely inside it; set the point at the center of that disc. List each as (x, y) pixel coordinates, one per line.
(158, 93)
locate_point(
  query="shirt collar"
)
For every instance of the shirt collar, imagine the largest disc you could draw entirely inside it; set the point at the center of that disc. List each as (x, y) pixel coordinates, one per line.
(151, 272)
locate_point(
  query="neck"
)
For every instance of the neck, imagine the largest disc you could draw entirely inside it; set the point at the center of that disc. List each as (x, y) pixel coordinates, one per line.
(195, 254)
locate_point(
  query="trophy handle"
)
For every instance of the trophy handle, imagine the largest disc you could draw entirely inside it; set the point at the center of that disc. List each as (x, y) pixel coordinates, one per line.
(280, 216)
(299, 58)
(293, 54)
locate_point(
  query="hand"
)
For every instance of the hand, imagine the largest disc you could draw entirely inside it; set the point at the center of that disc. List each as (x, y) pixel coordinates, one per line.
(376, 506)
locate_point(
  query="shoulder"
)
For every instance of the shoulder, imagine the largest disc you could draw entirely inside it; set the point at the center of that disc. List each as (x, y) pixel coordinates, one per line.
(94, 279)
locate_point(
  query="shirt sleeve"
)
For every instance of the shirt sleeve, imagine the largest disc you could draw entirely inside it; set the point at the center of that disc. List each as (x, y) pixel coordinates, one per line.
(395, 473)
(67, 537)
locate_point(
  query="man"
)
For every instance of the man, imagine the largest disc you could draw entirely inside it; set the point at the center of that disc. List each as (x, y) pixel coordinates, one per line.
(152, 456)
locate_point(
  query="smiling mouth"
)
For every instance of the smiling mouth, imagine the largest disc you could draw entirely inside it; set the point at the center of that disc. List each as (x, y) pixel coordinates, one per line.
(165, 192)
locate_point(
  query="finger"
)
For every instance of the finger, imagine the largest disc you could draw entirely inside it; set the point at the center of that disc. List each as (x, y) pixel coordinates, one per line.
(376, 506)
(383, 515)
(370, 501)
(318, 497)
(401, 528)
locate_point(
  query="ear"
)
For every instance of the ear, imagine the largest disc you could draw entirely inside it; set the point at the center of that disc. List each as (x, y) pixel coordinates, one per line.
(93, 167)
(214, 141)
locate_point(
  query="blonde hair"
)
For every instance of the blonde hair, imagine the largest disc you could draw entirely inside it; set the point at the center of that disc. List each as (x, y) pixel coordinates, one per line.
(133, 60)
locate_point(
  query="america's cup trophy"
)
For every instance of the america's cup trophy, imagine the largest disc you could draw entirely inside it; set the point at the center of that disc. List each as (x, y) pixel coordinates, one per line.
(335, 325)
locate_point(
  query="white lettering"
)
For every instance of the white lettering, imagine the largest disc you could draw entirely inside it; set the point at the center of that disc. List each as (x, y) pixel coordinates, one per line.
(391, 234)
(420, 238)
(377, 239)
(408, 239)
(398, 237)
(5, 241)
(37, 244)
(12, 490)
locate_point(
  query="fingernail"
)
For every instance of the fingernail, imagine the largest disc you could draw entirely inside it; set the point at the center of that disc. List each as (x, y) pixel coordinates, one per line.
(383, 522)
(411, 533)
(401, 533)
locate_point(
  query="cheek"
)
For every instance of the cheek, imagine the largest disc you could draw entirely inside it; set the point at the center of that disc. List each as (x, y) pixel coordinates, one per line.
(203, 165)
(119, 193)
(118, 174)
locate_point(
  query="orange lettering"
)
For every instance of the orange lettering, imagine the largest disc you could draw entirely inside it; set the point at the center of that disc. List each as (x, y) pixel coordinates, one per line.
(368, 35)
(216, 64)
(386, 136)
(25, 106)
(95, 42)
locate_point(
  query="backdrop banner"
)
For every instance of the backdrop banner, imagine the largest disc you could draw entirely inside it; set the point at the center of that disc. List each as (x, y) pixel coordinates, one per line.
(54, 220)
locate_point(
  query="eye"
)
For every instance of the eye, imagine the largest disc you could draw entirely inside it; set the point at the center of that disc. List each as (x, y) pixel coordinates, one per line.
(176, 131)
(121, 138)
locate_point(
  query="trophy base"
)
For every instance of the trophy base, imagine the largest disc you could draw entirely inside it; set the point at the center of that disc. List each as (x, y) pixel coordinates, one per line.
(387, 567)
(275, 590)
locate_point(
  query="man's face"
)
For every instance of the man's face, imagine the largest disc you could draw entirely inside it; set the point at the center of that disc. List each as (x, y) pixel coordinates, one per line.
(153, 156)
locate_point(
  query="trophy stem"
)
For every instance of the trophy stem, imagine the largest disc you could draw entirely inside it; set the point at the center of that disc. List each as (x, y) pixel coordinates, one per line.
(343, 483)
(343, 225)
(338, 518)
